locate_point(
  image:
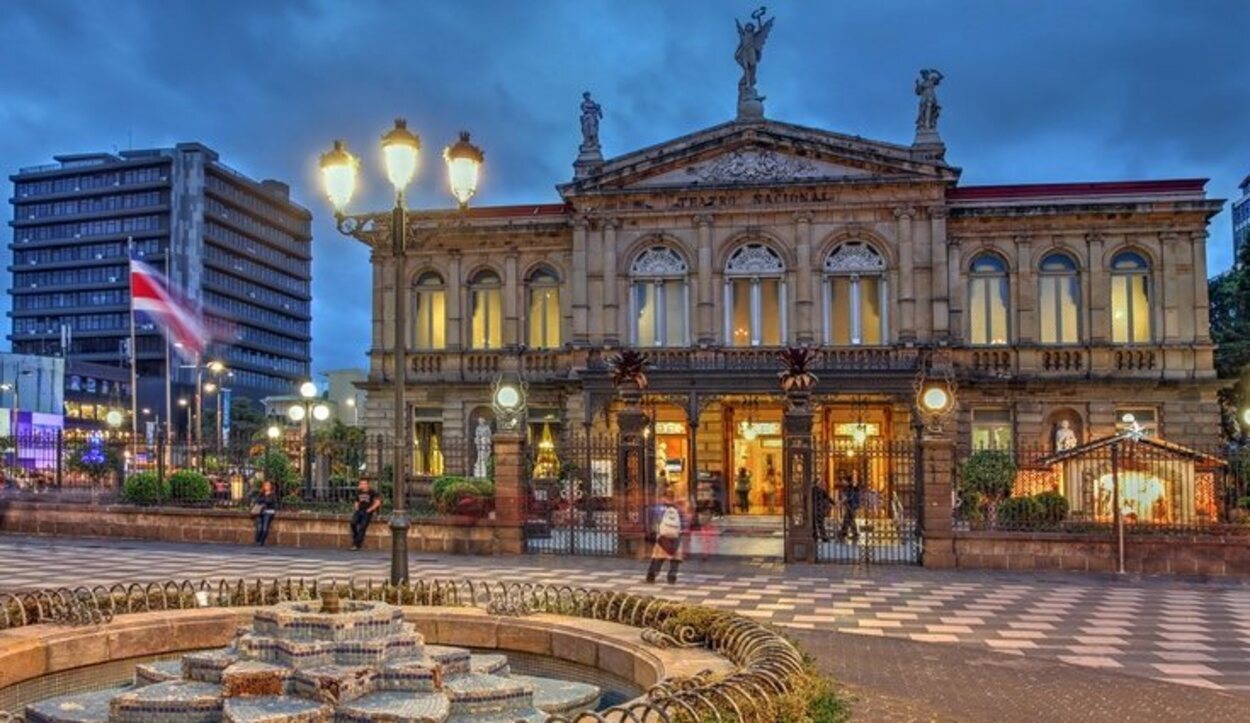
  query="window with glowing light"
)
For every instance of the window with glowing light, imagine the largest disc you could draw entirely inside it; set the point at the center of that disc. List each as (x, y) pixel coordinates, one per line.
(659, 298)
(544, 310)
(855, 297)
(429, 313)
(486, 311)
(991, 429)
(988, 300)
(755, 297)
(1059, 300)
(1130, 299)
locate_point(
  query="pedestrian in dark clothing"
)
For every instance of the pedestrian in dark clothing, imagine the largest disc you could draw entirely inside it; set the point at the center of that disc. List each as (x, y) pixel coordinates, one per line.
(850, 504)
(368, 502)
(822, 503)
(264, 507)
(667, 541)
(742, 486)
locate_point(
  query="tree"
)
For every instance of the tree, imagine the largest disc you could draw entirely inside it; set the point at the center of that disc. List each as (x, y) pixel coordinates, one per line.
(246, 419)
(343, 448)
(1229, 294)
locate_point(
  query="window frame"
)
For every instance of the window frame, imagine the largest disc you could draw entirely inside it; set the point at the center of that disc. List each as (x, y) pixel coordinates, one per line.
(1126, 275)
(421, 288)
(480, 285)
(1070, 274)
(855, 270)
(543, 278)
(755, 273)
(976, 277)
(655, 267)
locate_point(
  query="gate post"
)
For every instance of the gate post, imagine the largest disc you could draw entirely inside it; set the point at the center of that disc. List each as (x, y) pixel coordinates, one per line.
(937, 483)
(632, 468)
(510, 493)
(796, 469)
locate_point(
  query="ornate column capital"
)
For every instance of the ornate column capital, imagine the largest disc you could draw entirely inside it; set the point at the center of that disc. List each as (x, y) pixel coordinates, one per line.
(907, 212)
(703, 219)
(581, 222)
(1093, 237)
(1169, 236)
(936, 212)
(802, 216)
(954, 241)
(611, 222)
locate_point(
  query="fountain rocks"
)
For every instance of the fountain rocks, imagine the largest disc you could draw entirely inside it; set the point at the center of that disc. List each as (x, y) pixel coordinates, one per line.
(341, 661)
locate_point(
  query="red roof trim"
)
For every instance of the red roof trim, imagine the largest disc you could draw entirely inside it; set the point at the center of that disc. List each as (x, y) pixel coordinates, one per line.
(1104, 188)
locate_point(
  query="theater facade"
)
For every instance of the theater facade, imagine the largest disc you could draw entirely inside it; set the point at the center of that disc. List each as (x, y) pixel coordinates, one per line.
(1060, 305)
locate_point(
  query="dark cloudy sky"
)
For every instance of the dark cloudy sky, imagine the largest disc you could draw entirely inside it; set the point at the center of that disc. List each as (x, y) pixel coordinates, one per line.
(1048, 90)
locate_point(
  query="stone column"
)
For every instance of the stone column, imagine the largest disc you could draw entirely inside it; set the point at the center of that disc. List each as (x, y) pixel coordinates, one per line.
(632, 469)
(611, 304)
(509, 449)
(594, 286)
(796, 470)
(453, 300)
(1167, 281)
(941, 282)
(805, 331)
(955, 295)
(936, 481)
(581, 327)
(1099, 291)
(511, 294)
(1202, 302)
(1023, 319)
(706, 333)
(906, 275)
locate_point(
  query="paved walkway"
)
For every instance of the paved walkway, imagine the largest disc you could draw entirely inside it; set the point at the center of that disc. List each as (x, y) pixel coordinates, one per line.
(1194, 634)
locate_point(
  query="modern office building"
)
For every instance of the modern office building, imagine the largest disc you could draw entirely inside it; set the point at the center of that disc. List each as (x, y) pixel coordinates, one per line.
(1241, 218)
(238, 249)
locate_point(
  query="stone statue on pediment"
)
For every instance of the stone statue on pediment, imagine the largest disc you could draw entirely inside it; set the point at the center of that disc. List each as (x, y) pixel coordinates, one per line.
(930, 109)
(592, 113)
(751, 39)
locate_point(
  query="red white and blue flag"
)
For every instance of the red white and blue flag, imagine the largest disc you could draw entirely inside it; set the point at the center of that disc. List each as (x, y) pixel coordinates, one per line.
(182, 324)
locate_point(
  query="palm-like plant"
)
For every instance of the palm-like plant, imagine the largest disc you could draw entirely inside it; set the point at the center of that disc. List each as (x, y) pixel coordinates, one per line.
(630, 366)
(795, 375)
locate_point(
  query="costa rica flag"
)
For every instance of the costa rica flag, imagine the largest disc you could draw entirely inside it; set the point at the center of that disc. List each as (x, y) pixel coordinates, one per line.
(181, 322)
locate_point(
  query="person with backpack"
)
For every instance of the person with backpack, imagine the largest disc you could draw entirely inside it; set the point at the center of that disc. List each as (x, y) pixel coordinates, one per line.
(667, 546)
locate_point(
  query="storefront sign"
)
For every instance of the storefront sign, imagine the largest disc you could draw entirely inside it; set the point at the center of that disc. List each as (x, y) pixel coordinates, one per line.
(670, 428)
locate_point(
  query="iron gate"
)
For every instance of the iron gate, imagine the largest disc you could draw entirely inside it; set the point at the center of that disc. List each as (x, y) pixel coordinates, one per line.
(873, 505)
(572, 496)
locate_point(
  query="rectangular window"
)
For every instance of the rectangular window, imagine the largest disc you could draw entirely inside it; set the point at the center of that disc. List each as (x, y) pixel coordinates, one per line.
(487, 319)
(544, 318)
(988, 315)
(769, 322)
(870, 290)
(991, 429)
(1145, 417)
(430, 316)
(740, 316)
(674, 312)
(646, 321)
(840, 310)
(1130, 309)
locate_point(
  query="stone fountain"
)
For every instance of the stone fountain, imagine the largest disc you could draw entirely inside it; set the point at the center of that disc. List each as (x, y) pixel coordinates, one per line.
(327, 660)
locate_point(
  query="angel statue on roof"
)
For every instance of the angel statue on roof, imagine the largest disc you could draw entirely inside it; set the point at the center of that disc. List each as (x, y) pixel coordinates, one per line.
(751, 39)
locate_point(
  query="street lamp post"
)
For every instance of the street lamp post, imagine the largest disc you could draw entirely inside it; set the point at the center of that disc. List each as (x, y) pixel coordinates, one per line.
(401, 151)
(306, 412)
(271, 435)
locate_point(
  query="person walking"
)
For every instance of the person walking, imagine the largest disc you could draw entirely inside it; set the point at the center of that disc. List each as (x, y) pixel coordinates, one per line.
(822, 504)
(368, 501)
(742, 486)
(850, 504)
(264, 507)
(667, 541)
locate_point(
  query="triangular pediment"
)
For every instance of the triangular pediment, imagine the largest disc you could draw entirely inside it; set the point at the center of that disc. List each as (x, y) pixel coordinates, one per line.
(760, 154)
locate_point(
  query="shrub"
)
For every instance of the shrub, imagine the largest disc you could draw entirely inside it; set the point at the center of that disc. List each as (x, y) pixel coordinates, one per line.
(144, 488)
(971, 506)
(1054, 507)
(1019, 512)
(990, 472)
(452, 494)
(1244, 502)
(190, 486)
(277, 468)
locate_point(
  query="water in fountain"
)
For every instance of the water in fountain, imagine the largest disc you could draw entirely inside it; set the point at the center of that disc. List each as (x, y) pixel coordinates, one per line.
(306, 662)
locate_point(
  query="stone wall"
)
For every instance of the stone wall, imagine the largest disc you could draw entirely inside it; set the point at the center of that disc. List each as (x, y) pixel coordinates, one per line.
(1214, 554)
(462, 535)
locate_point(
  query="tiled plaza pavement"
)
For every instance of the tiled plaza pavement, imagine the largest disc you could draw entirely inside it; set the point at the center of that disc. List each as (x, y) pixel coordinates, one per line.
(1192, 633)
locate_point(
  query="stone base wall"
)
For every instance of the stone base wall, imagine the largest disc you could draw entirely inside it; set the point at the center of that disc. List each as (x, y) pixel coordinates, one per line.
(460, 535)
(1214, 555)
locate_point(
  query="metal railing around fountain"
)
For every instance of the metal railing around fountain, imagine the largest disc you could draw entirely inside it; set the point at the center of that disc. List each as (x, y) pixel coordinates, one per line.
(767, 666)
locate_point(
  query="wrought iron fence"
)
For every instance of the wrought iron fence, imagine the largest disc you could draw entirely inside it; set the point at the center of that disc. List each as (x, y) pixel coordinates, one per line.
(1153, 486)
(572, 501)
(869, 512)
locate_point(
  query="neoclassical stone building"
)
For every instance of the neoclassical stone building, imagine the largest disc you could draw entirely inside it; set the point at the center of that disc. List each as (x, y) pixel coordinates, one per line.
(1075, 302)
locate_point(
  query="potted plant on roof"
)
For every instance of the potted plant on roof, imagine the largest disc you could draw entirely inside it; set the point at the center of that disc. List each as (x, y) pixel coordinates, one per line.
(629, 374)
(796, 377)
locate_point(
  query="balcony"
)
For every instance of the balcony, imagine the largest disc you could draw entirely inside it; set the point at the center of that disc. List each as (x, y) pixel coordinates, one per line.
(1102, 361)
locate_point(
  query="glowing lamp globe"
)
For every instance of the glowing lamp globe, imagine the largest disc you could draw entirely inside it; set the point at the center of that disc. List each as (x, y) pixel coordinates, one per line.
(1245, 416)
(113, 418)
(338, 175)
(295, 412)
(308, 390)
(464, 164)
(508, 397)
(935, 399)
(321, 412)
(273, 432)
(401, 149)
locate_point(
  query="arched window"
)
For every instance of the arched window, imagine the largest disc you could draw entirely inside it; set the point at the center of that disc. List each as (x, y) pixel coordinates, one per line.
(855, 297)
(544, 309)
(658, 298)
(987, 300)
(429, 313)
(1060, 300)
(755, 297)
(486, 311)
(1130, 299)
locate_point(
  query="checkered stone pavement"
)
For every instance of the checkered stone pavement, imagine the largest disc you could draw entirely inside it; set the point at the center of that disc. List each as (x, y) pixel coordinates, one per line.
(1194, 634)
